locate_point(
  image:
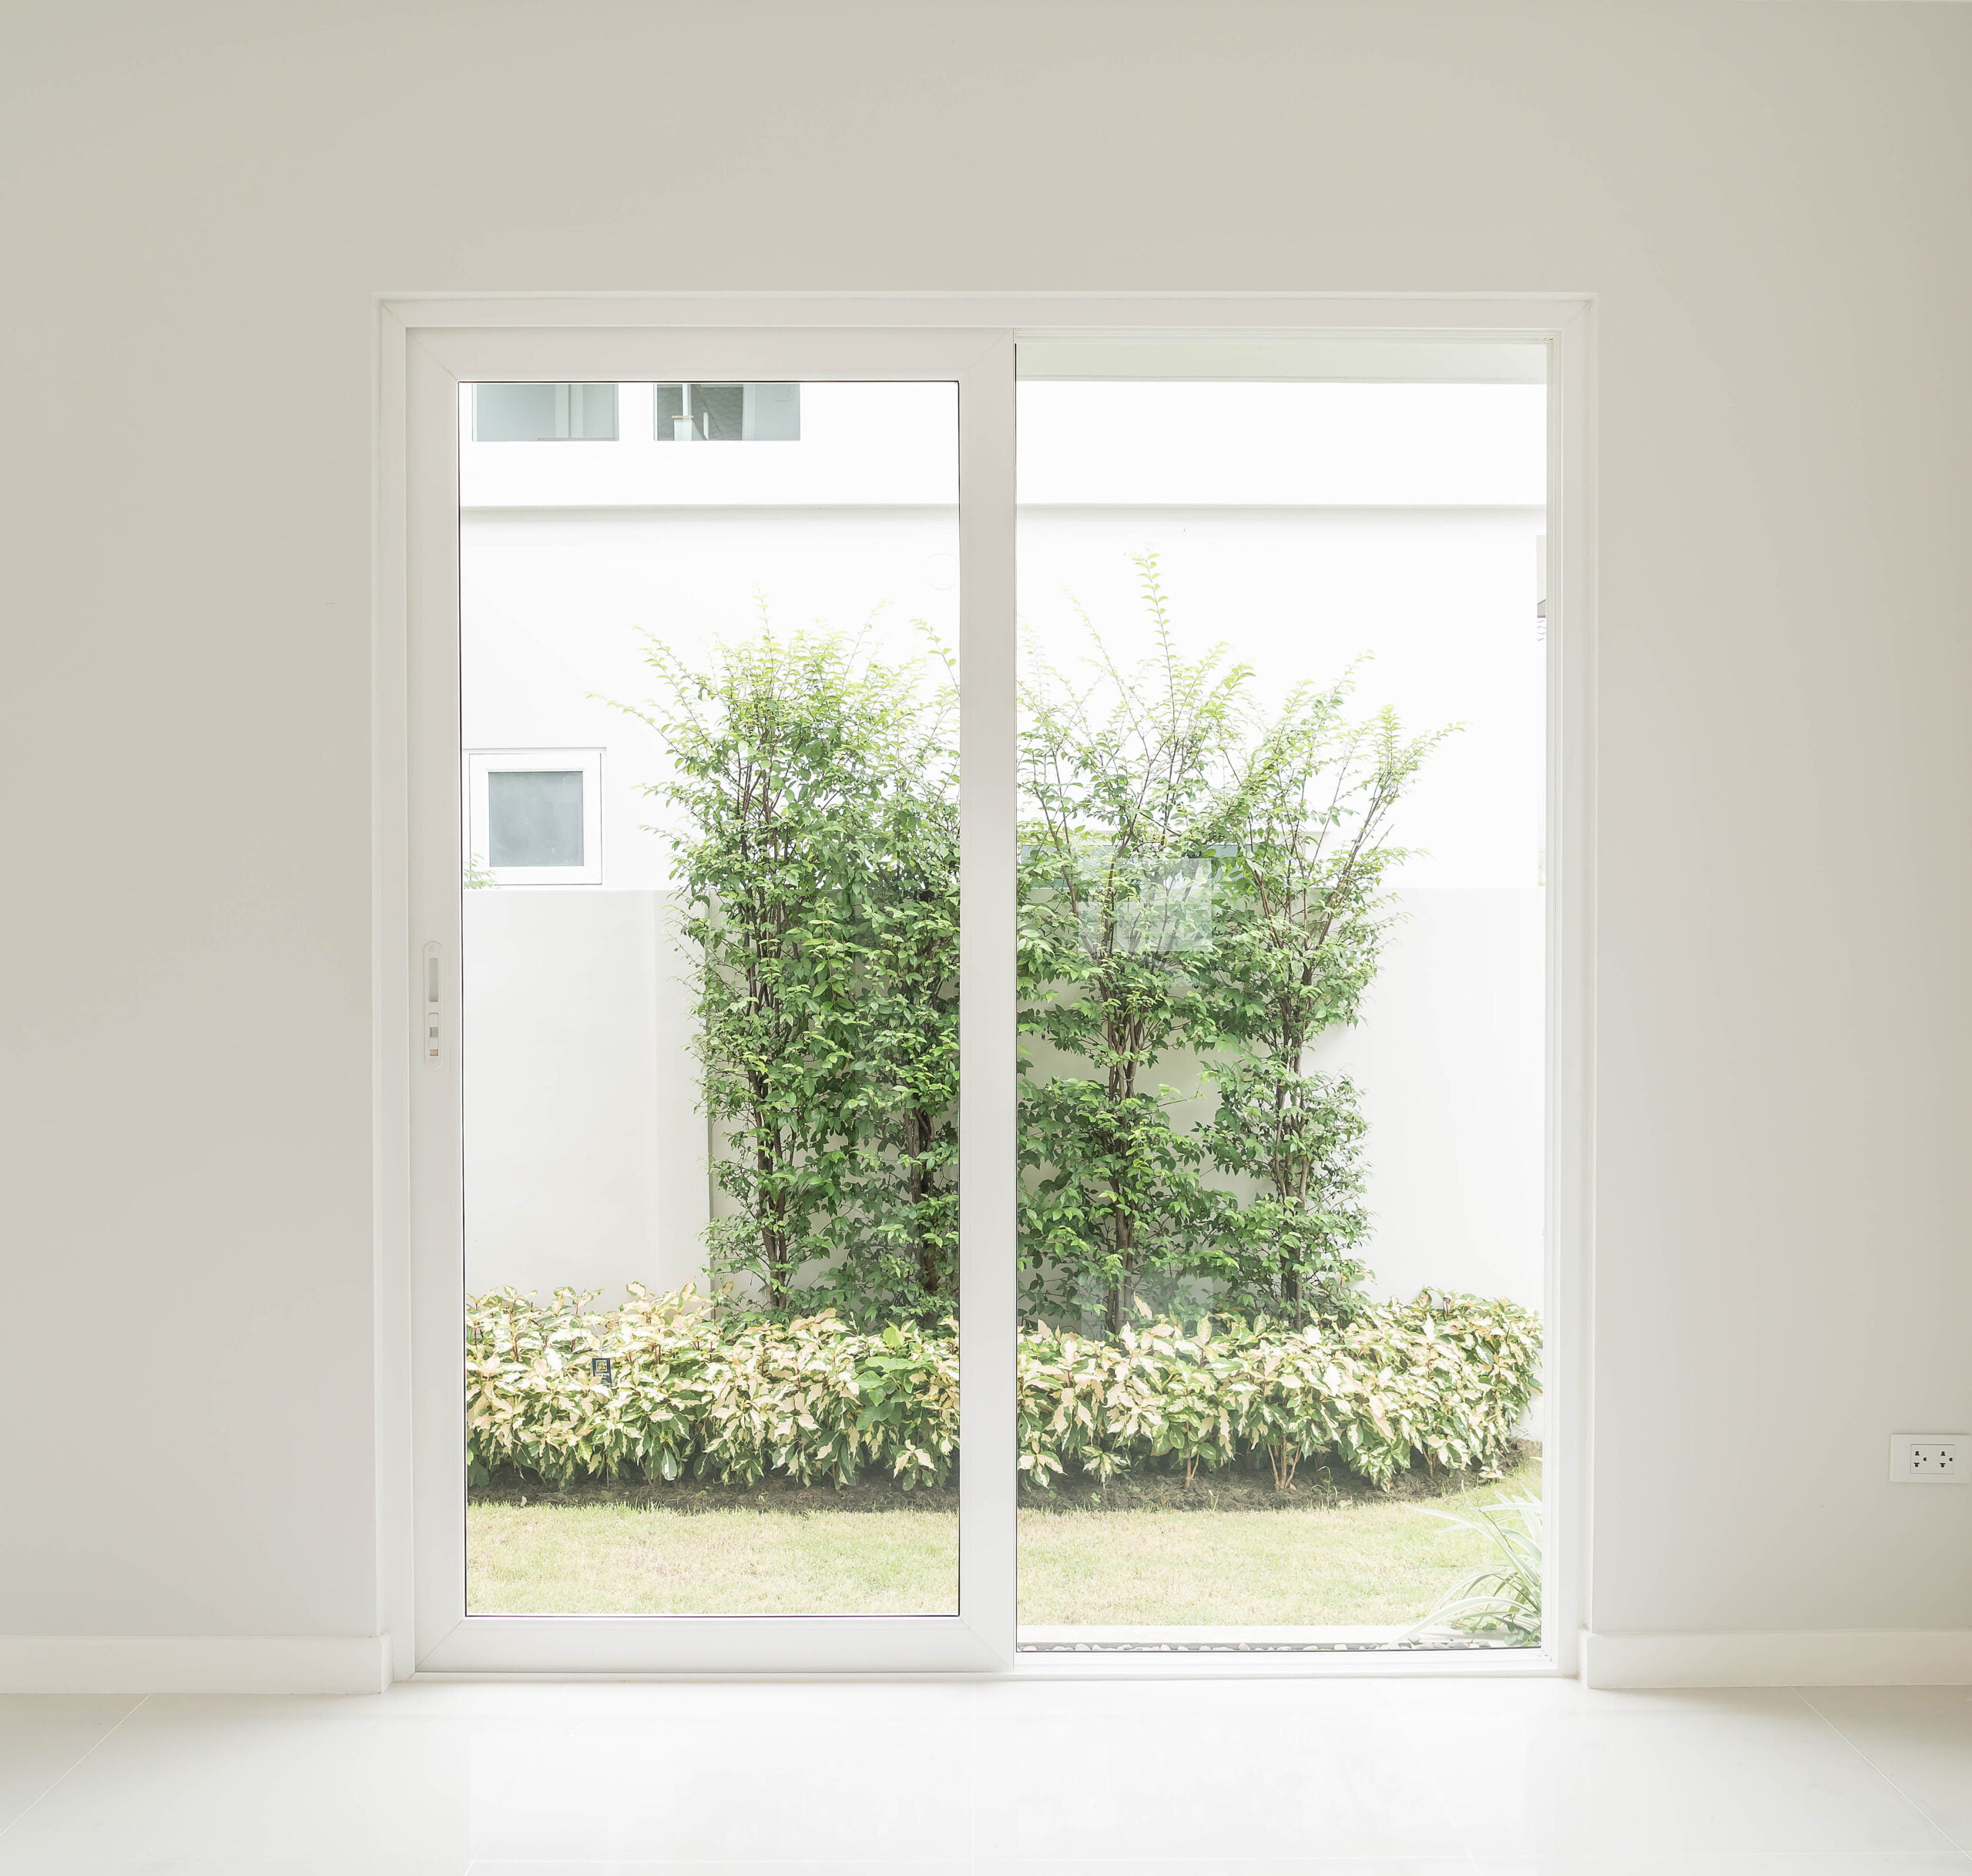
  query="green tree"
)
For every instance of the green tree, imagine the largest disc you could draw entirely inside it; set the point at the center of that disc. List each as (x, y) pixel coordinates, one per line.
(812, 798)
(1124, 782)
(1198, 876)
(1299, 1138)
(1300, 919)
(896, 1231)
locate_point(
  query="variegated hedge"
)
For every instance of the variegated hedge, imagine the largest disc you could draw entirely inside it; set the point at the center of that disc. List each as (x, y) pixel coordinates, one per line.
(663, 1388)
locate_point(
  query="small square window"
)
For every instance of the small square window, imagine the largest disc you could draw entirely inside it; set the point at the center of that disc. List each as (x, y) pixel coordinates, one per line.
(544, 413)
(534, 817)
(727, 413)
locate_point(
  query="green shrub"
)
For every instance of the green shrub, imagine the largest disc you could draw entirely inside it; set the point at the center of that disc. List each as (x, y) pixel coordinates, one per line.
(666, 1387)
(1201, 876)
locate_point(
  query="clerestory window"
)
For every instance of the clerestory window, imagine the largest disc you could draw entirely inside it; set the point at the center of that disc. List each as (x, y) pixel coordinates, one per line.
(728, 413)
(544, 413)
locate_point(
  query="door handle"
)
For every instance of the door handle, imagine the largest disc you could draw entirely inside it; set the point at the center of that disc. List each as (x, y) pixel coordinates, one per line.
(430, 1007)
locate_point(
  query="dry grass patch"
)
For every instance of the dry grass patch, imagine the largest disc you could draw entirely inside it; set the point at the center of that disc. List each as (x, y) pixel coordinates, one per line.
(1356, 1562)
(630, 1560)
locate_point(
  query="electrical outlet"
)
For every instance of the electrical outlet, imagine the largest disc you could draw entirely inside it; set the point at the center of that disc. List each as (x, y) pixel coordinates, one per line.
(1931, 1458)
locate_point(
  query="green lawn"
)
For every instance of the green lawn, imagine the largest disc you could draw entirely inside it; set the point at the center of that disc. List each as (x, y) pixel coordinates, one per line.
(1361, 1561)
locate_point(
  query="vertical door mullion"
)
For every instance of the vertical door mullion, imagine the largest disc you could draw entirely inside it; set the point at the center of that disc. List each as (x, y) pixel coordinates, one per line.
(988, 724)
(438, 1157)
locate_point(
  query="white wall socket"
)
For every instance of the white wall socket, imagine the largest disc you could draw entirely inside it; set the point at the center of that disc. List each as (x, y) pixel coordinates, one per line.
(1931, 1458)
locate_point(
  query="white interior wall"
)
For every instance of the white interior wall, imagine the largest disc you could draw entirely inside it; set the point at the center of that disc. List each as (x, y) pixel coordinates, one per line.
(1770, 204)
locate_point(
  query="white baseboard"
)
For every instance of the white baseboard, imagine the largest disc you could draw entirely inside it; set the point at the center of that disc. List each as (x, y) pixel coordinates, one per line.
(194, 1664)
(361, 1663)
(1781, 1658)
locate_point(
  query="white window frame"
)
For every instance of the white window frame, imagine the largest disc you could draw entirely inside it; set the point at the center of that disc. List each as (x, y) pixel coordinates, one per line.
(481, 762)
(428, 346)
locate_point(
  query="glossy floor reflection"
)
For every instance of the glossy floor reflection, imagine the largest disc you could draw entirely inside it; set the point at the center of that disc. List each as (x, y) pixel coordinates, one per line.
(1330, 1778)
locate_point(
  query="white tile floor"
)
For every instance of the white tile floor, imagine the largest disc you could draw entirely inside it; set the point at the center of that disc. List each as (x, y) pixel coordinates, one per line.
(1325, 1778)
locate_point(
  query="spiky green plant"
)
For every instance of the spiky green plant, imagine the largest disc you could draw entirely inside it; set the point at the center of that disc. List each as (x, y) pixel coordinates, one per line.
(1502, 1597)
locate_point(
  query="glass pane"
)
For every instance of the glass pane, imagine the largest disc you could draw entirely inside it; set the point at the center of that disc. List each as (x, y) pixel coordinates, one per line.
(773, 413)
(711, 1135)
(544, 413)
(516, 413)
(534, 817)
(727, 413)
(592, 412)
(1282, 809)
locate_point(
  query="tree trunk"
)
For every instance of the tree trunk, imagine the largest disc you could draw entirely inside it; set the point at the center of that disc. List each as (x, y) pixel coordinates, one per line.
(1121, 1301)
(916, 1142)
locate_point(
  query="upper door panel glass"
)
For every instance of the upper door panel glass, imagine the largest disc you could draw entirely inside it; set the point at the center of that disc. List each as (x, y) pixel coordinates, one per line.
(709, 777)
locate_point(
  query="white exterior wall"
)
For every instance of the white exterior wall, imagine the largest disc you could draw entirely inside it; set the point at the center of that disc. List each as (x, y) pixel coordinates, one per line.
(1449, 1058)
(577, 1034)
(585, 1155)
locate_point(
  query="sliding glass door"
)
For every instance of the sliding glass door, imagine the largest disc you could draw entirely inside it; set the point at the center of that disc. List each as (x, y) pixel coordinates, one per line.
(1282, 1123)
(978, 968)
(704, 881)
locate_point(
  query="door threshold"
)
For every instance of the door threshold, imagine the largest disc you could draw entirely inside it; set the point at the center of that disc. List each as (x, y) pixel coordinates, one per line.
(1232, 1637)
(1358, 1664)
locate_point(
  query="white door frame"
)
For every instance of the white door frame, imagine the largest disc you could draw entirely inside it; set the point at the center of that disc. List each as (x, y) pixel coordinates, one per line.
(429, 346)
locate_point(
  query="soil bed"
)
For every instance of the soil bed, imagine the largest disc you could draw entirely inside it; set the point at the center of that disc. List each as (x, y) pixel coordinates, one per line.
(1315, 1486)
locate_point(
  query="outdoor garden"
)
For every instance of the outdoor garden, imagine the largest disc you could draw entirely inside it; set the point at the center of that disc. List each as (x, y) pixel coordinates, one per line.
(1219, 1422)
